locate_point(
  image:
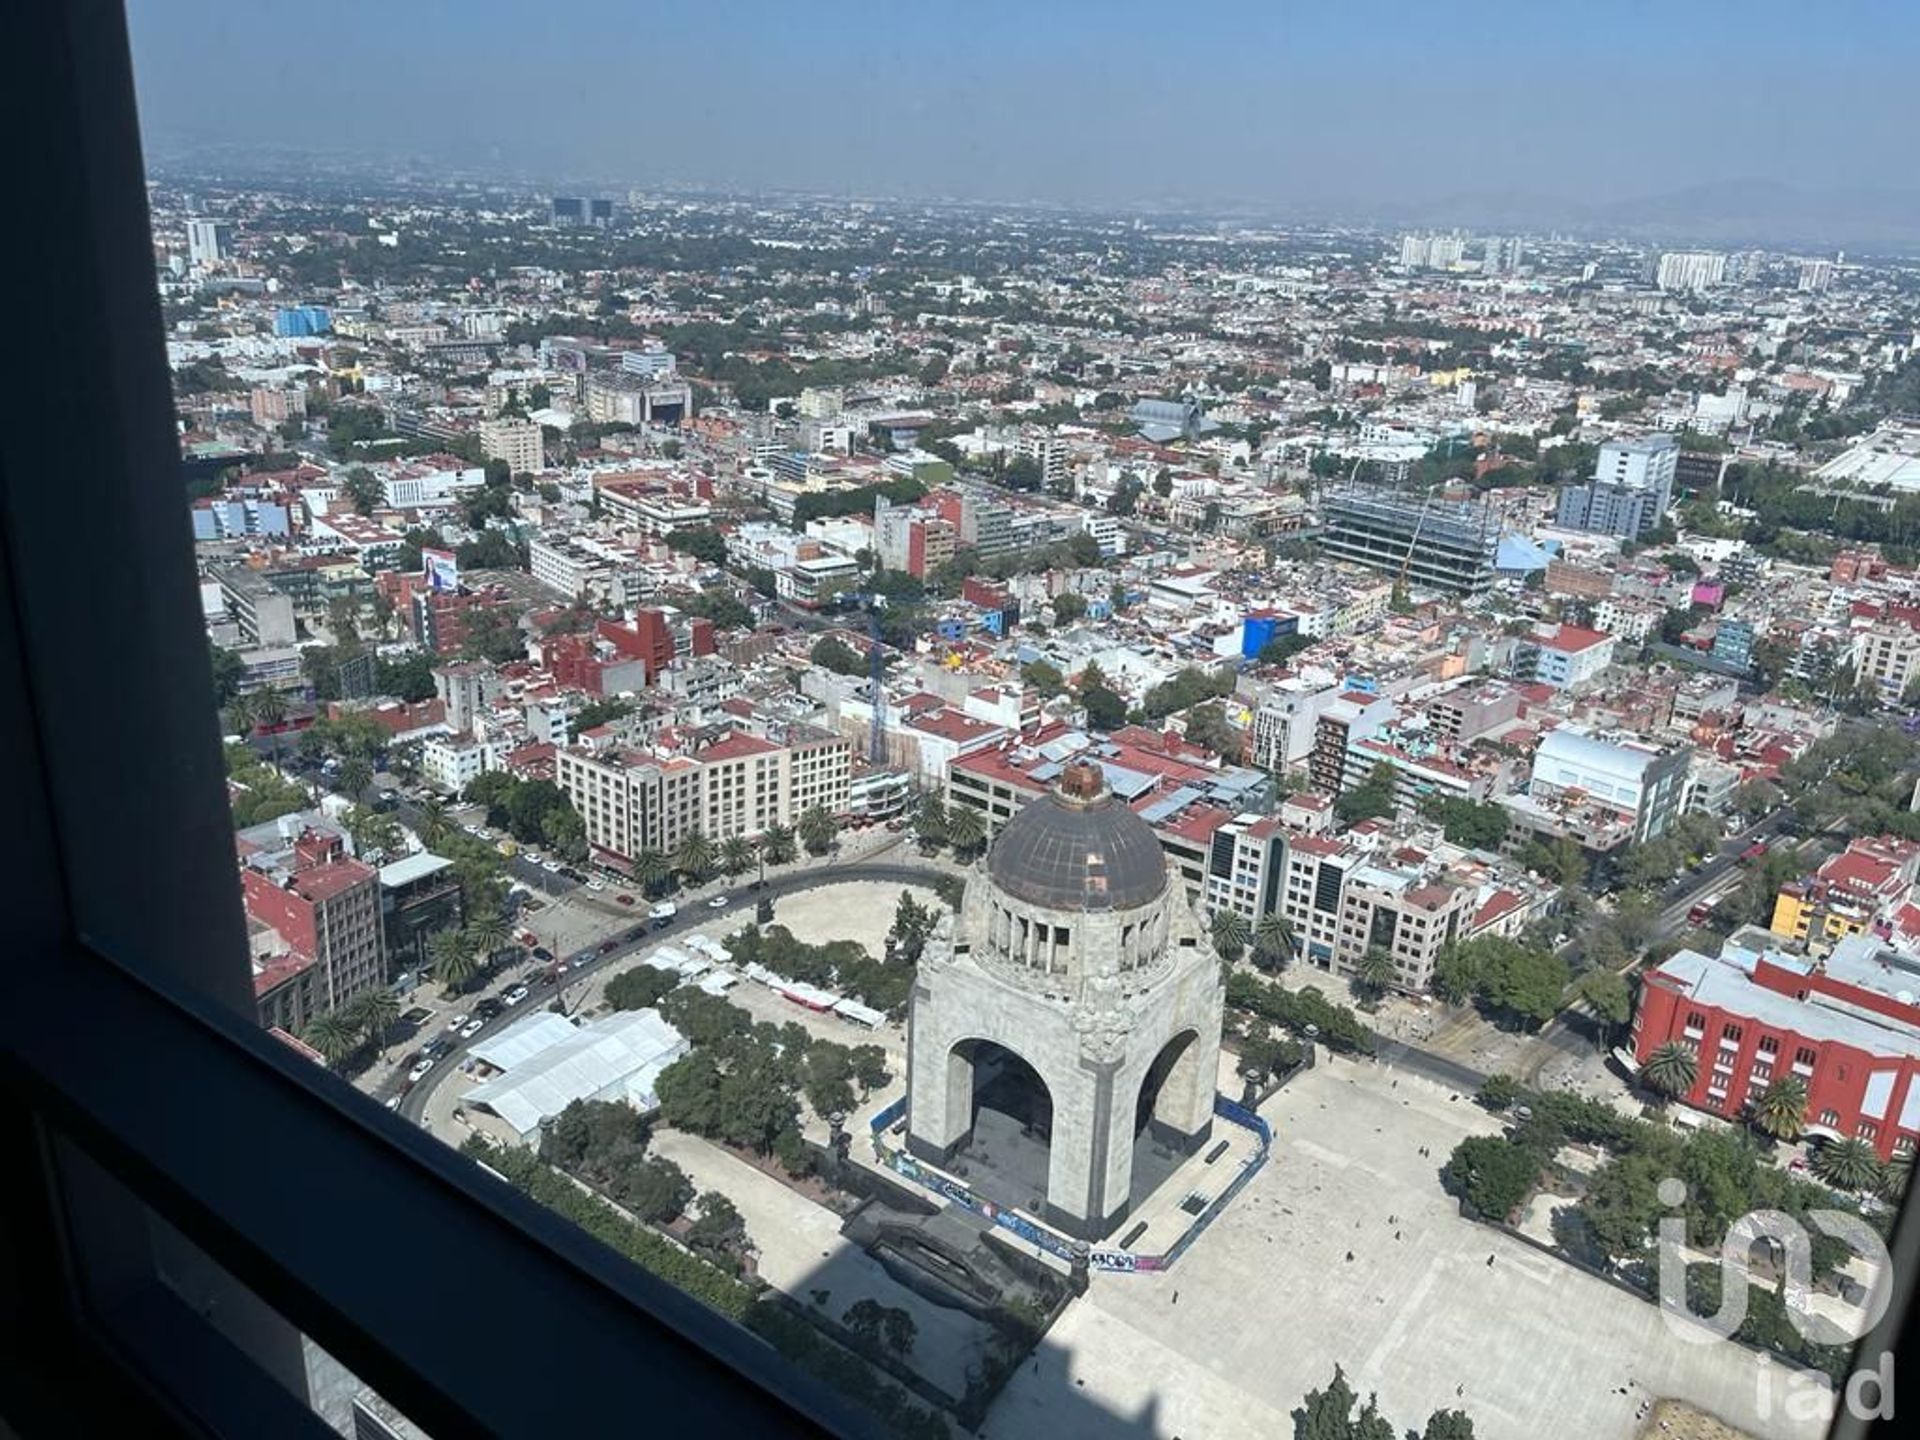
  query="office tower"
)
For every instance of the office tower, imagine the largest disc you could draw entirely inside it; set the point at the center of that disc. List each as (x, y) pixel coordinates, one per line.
(1631, 488)
(208, 241)
(1690, 270)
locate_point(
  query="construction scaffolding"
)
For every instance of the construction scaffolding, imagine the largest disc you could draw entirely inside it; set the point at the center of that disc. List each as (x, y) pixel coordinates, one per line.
(1424, 541)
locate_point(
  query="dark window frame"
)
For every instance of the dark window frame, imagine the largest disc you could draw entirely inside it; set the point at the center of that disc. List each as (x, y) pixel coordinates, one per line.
(195, 1195)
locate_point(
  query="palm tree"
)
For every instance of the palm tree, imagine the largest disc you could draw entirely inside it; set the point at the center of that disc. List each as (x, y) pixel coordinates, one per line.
(817, 830)
(373, 1013)
(930, 825)
(240, 715)
(966, 829)
(778, 846)
(453, 959)
(693, 857)
(1895, 1174)
(736, 855)
(435, 825)
(333, 1036)
(653, 870)
(487, 932)
(1781, 1109)
(1375, 971)
(269, 710)
(1273, 941)
(1672, 1068)
(1847, 1164)
(1230, 931)
(356, 775)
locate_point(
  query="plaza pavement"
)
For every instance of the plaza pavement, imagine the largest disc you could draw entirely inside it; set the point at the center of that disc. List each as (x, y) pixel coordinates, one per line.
(1264, 1304)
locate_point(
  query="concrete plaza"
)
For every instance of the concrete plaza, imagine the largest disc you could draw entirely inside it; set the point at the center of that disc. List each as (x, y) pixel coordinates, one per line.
(1264, 1304)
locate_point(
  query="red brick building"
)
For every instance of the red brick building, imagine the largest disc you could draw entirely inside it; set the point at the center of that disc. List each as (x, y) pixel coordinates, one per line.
(1848, 1025)
(326, 907)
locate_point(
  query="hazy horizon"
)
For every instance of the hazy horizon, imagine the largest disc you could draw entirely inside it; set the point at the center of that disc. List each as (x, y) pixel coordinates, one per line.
(1388, 108)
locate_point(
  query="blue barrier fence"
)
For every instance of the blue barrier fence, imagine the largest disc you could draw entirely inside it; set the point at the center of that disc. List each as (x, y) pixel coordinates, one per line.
(1099, 1257)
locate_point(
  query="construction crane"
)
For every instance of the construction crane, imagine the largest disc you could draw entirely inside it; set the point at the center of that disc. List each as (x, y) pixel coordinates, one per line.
(876, 668)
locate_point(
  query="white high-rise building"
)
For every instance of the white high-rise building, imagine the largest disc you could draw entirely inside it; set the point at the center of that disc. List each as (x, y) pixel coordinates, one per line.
(1816, 275)
(208, 241)
(1691, 270)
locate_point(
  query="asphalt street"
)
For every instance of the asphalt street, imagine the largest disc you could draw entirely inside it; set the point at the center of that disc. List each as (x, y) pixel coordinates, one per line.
(643, 936)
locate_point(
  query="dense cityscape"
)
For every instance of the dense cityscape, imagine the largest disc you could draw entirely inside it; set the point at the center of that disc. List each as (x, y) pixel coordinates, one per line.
(940, 776)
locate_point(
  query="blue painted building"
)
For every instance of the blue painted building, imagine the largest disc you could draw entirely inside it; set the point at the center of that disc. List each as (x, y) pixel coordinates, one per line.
(299, 321)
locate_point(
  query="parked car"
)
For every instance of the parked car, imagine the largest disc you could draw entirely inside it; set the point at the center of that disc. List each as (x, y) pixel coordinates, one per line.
(487, 1008)
(457, 1021)
(514, 996)
(624, 898)
(552, 867)
(540, 952)
(472, 1028)
(596, 884)
(420, 1067)
(719, 902)
(662, 911)
(1755, 851)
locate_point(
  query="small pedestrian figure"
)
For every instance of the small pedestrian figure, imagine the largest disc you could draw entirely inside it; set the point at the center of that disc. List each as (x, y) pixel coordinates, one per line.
(1349, 1255)
(1489, 1262)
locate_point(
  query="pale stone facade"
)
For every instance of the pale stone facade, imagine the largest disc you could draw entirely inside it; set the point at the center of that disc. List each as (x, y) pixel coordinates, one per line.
(1114, 998)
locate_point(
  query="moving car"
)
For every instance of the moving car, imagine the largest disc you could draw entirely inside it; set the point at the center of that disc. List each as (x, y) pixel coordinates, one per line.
(420, 1067)
(596, 884)
(552, 867)
(719, 902)
(1755, 851)
(664, 910)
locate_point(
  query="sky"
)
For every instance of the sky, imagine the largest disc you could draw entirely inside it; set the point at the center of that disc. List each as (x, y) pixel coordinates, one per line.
(1268, 103)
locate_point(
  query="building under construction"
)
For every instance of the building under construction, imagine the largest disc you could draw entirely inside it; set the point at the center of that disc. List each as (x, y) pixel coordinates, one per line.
(1422, 540)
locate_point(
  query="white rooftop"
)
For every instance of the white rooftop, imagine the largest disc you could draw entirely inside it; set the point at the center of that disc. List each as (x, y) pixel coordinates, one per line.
(615, 1058)
(414, 867)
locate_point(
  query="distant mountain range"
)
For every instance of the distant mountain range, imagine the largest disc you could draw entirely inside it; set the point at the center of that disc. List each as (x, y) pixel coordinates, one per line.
(1731, 212)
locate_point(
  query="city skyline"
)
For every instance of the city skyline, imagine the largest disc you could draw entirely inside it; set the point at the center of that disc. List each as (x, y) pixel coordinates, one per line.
(1633, 120)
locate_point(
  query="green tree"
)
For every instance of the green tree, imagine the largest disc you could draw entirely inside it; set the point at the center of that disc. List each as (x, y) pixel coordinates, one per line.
(693, 857)
(453, 960)
(333, 1035)
(653, 869)
(1607, 996)
(435, 824)
(1045, 677)
(817, 830)
(778, 845)
(719, 1227)
(863, 1320)
(1375, 971)
(1498, 1092)
(966, 830)
(930, 824)
(1849, 1164)
(655, 1189)
(830, 652)
(488, 933)
(228, 671)
(1493, 1173)
(1273, 941)
(1448, 1425)
(1230, 932)
(364, 491)
(1671, 1069)
(373, 1013)
(1781, 1109)
(1372, 800)
(702, 542)
(640, 987)
(354, 776)
(737, 855)
(1069, 607)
